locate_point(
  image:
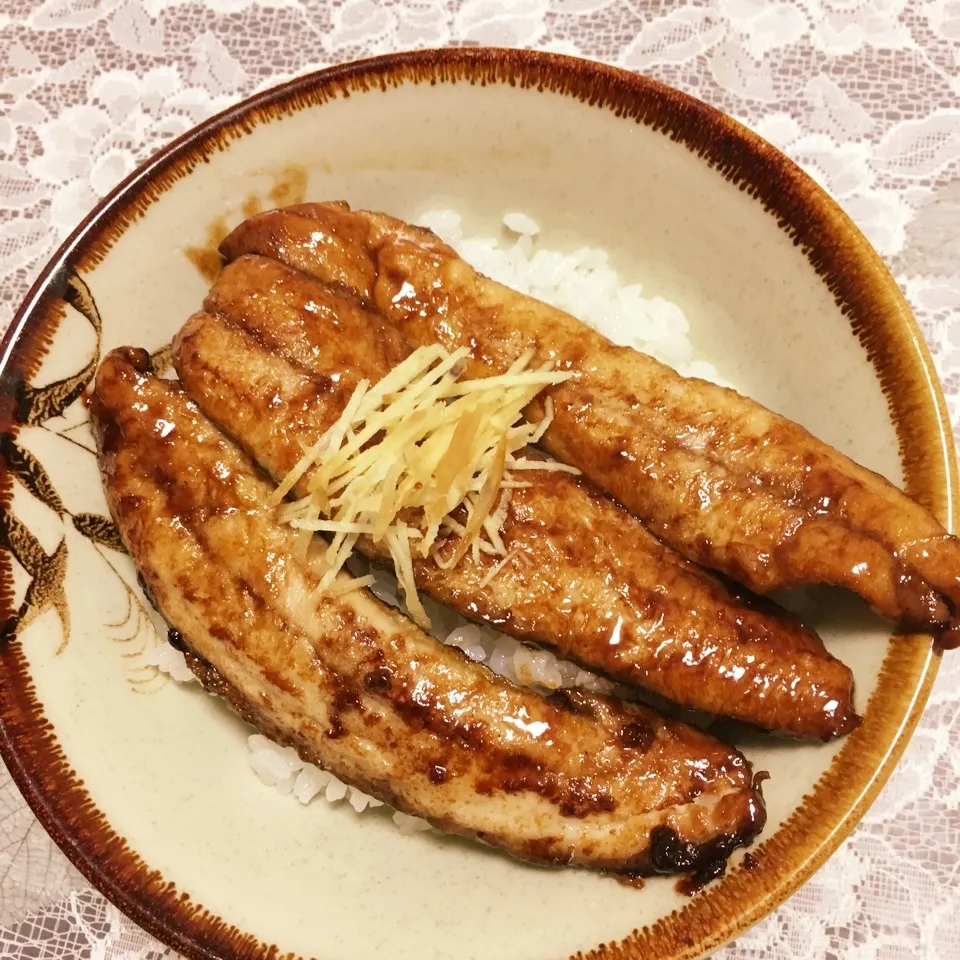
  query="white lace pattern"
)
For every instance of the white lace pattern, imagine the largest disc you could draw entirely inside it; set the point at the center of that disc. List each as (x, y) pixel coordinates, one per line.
(864, 94)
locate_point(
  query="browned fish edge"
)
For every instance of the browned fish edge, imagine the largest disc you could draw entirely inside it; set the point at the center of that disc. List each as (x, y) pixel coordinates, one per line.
(867, 295)
(701, 862)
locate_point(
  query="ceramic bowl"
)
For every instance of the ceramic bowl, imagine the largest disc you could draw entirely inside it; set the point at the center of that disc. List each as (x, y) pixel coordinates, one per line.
(146, 785)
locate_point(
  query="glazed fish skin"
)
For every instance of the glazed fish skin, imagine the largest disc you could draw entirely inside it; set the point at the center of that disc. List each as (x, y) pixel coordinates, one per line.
(274, 362)
(720, 478)
(357, 688)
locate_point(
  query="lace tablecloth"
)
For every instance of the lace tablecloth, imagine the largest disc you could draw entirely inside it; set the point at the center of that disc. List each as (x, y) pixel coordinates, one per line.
(865, 94)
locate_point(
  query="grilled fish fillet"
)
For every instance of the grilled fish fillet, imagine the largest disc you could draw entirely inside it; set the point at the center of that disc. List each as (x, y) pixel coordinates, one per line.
(723, 480)
(358, 689)
(273, 361)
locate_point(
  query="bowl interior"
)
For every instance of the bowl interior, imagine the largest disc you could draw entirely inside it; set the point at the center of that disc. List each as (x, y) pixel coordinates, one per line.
(166, 765)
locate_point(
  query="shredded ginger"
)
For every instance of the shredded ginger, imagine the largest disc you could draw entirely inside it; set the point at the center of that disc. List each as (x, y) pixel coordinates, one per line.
(409, 452)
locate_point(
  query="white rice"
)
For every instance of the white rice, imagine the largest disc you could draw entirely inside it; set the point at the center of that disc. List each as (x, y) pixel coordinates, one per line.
(584, 284)
(170, 661)
(581, 282)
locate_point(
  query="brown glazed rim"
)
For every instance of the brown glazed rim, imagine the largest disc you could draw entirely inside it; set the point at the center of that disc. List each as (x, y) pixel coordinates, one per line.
(867, 296)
